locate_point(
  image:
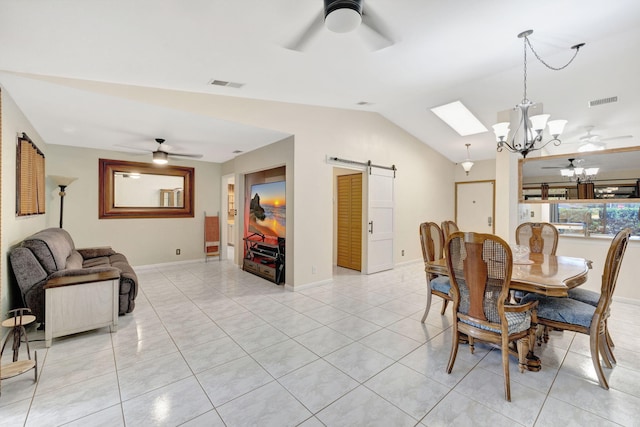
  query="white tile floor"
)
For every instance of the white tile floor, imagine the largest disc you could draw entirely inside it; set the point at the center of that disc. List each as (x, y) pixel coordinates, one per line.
(210, 345)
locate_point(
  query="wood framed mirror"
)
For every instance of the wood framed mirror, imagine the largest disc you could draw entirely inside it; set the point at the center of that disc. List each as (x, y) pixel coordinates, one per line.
(617, 179)
(144, 190)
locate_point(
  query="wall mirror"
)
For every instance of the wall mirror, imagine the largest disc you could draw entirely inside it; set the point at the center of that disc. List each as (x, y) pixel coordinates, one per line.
(607, 175)
(145, 190)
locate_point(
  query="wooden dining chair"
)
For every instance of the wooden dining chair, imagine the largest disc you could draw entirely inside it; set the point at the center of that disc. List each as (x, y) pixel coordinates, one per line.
(540, 237)
(573, 315)
(431, 241)
(480, 267)
(448, 228)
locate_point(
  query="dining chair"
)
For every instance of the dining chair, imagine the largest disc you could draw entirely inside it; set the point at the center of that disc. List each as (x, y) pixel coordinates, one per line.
(540, 237)
(448, 228)
(431, 241)
(572, 315)
(480, 267)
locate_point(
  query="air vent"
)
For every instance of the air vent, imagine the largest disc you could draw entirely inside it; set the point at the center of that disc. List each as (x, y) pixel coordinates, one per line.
(234, 85)
(602, 101)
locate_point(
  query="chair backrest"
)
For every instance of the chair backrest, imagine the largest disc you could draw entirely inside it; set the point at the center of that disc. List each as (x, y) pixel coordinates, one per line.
(611, 269)
(431, 241)
(480, 268)
(540, 237)
(448, 228)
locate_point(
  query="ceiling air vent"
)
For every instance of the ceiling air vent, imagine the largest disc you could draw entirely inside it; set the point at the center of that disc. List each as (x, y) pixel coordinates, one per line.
(235, 85)
(602, 101)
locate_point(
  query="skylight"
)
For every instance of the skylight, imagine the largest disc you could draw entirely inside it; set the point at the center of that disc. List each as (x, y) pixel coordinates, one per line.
(459, 118)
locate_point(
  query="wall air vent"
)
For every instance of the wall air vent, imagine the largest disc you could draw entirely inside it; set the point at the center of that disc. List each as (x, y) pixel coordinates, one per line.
(602, 101)
(223, 83)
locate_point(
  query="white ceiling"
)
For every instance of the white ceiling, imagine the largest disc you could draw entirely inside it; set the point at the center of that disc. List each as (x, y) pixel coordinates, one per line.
(445, 50)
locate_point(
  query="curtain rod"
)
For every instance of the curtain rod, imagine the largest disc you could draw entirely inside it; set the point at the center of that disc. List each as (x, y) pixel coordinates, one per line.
(367, 163)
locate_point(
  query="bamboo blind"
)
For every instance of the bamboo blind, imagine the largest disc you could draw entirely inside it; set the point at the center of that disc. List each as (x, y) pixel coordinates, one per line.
(30, 180)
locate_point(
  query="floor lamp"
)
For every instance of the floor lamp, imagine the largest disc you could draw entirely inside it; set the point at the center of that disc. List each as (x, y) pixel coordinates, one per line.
(62, 182)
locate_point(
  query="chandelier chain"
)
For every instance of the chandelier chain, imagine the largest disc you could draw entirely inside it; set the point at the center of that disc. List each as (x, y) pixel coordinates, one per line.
(526, 39)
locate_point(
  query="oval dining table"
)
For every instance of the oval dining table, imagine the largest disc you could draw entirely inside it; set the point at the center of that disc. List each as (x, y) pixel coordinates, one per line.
(550, 275)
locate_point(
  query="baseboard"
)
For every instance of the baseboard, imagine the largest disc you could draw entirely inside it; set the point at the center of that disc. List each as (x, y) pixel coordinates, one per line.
(165, 264)
(307, 285)
(624, 300)
(411, 262)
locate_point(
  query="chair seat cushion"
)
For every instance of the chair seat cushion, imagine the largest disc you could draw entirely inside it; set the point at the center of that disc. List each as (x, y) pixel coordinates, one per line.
(518, 322)
(441, 284)
(565, 310)
(585, 296)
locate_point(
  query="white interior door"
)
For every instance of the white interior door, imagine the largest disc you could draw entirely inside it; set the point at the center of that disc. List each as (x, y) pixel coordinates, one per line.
(380, 220)
(475, 206)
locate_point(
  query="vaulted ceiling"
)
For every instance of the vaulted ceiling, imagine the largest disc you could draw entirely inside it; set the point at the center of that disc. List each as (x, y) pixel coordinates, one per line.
(443, 51)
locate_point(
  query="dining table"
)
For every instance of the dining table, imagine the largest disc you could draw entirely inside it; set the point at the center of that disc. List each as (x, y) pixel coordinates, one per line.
(550, 275)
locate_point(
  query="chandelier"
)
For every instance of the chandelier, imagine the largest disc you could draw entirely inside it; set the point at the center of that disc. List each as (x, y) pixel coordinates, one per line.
(532, 127)
(578, 173)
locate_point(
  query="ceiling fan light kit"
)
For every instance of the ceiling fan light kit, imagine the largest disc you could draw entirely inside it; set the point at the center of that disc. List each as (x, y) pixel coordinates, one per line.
(160, 157)
(342, 16)
(532, 127)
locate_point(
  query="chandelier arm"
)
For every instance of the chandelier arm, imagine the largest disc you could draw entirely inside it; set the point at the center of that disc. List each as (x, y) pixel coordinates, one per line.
(576, 47)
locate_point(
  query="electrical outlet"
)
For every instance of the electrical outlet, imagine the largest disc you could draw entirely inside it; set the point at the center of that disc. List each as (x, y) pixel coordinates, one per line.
(403, 252)
(532, 214)
(313, 269)
(177, 251)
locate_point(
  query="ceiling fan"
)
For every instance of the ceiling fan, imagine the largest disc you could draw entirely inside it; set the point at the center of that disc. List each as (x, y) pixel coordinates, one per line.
(571, 165)
(162, 153)
(594, 142)
(342, 16)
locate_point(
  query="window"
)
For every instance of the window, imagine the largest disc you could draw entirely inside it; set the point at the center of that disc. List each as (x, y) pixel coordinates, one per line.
(30, 178)
(596, 218)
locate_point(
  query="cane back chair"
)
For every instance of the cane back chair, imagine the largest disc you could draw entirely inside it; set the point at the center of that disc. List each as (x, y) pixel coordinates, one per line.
(431, 241)
(448, 228)
(480, 268)
(540, 237)
(573, 315)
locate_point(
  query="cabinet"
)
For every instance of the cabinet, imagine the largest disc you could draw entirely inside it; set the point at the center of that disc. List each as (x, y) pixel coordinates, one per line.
(264, 259)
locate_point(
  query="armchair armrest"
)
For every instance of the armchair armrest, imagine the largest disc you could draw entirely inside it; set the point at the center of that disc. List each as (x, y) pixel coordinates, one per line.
(96, 252)
(516, 308)
(81, 275)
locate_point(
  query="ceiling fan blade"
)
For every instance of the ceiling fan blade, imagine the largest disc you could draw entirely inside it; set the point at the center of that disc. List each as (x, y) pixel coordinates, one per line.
(378, 35)
(193, 156)
(554, 167)
(301, 41)
(612, 138)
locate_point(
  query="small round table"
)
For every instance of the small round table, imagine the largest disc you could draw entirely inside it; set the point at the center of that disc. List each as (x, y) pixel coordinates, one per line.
(17, 321)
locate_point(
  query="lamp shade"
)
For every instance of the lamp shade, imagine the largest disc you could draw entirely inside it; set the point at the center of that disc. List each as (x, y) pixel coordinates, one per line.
(160, 157)
(467, 165)
(343, 20)
(62, 180)
(539, 122)
(501, 130)
(556, 127)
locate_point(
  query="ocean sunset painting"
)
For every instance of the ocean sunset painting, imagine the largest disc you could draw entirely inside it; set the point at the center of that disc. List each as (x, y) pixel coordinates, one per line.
(267, 209)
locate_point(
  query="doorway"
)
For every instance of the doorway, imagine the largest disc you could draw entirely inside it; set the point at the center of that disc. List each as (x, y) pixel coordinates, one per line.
(349, 221)
(227, 218)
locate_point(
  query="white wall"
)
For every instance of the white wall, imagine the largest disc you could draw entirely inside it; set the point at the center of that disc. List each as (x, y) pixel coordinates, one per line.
(14, 229)
(424, 186)
(595, 249)
(143, 241)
